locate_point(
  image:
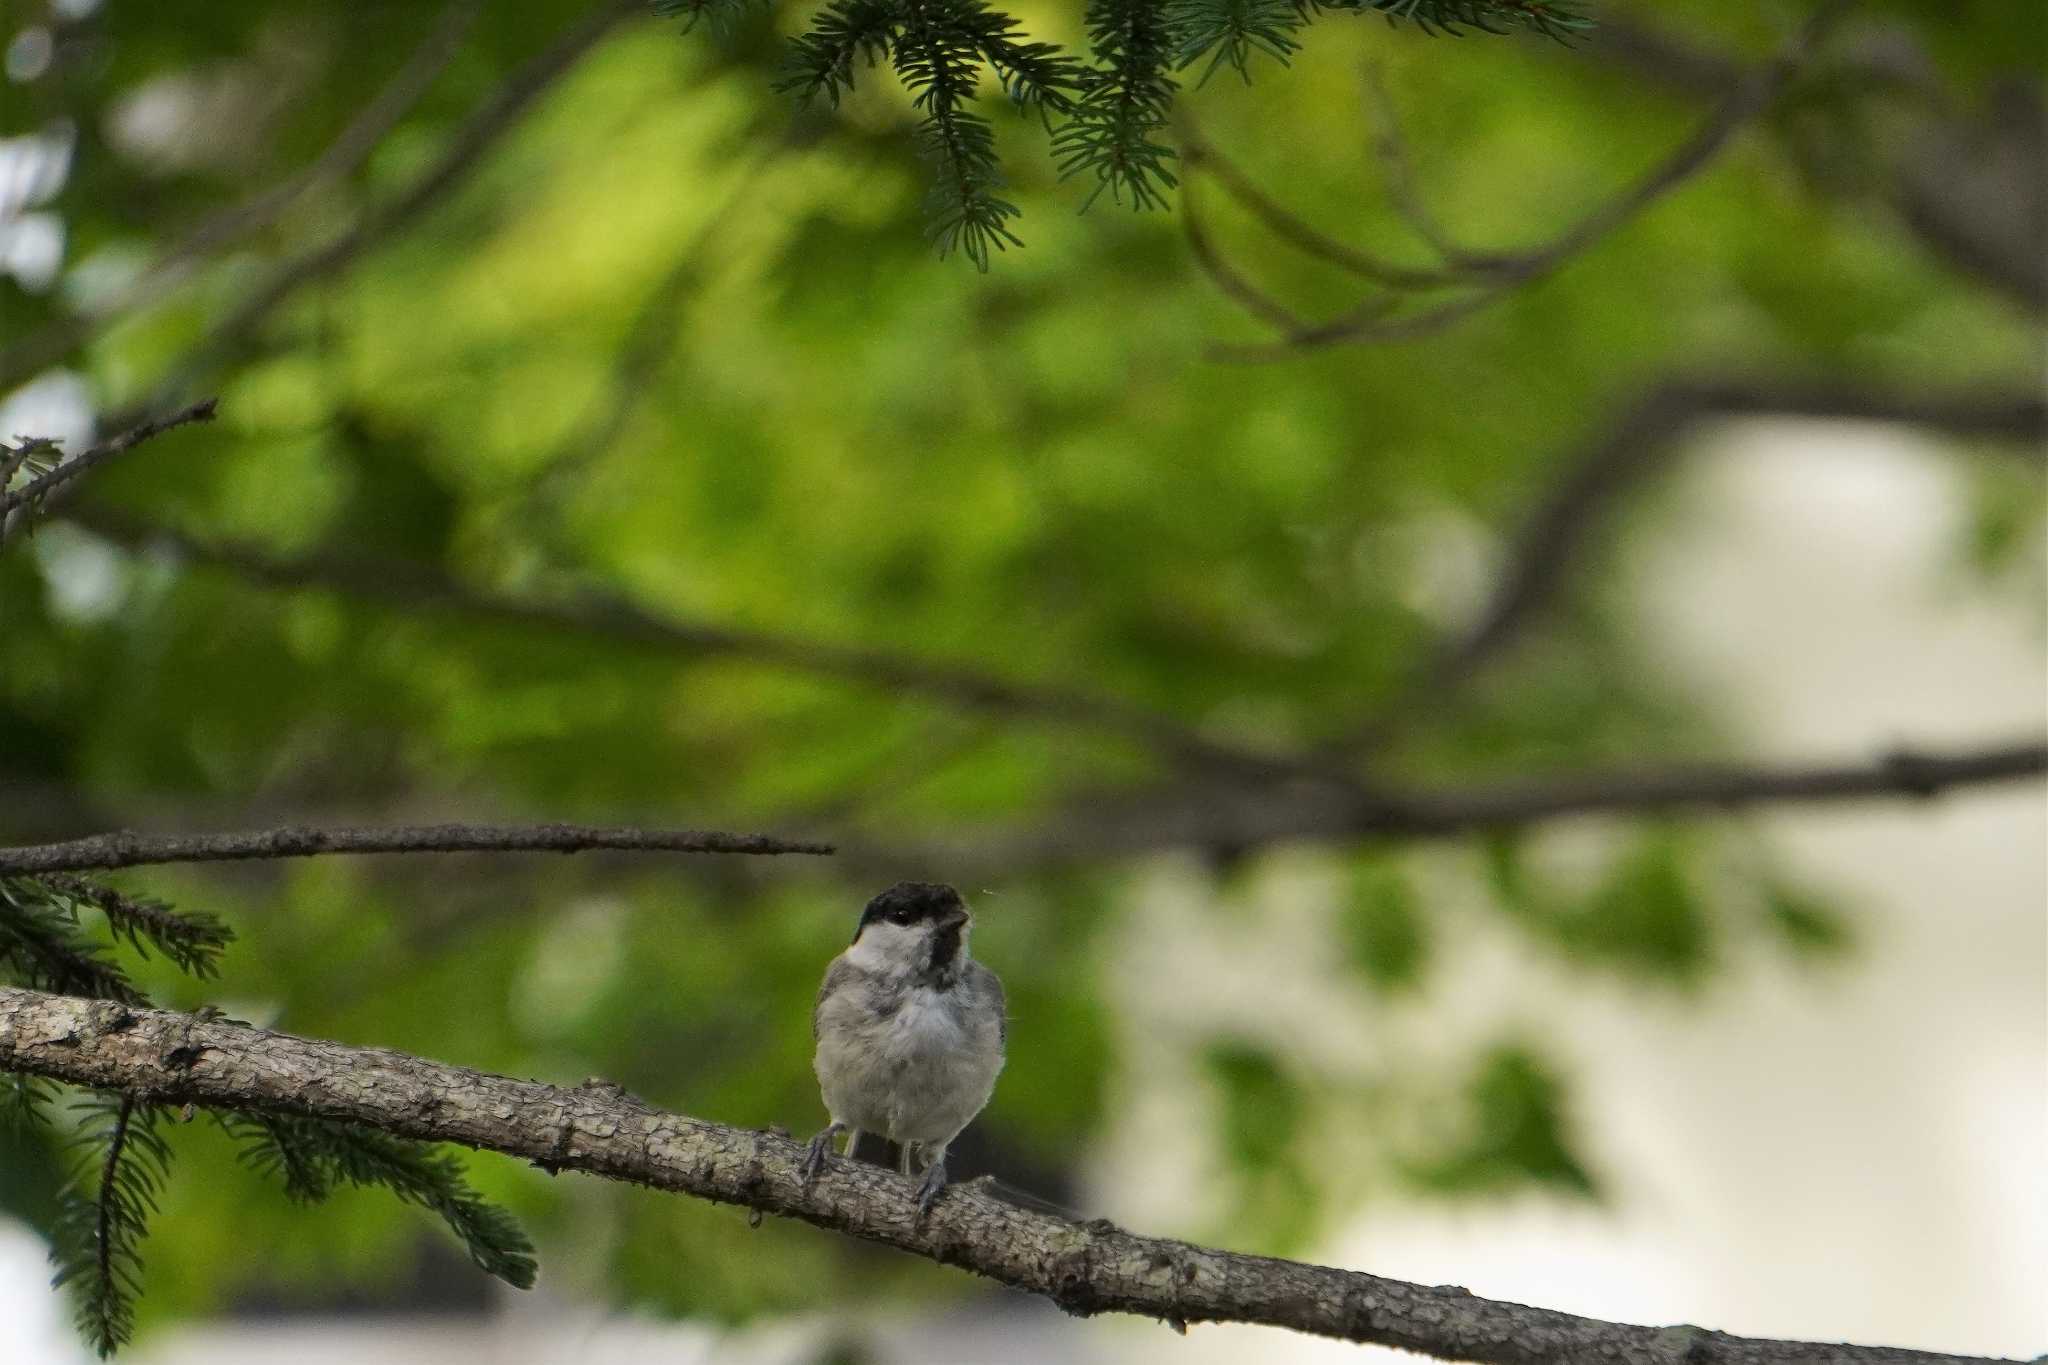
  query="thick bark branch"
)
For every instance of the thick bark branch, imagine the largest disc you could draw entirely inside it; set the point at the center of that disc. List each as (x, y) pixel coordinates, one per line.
(124, 848)
(1086, 1268)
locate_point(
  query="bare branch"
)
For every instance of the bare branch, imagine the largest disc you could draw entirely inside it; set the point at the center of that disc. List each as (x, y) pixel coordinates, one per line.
(650, 340)
(609, 617)
(1965, 174)
(1221, 272)
(496, 117)
(37, 492)
(1636, 445)
(342, 157)
(125, 848)
(1493, 275)
(1241, 818)
(1085, 1268)
(1199, 154)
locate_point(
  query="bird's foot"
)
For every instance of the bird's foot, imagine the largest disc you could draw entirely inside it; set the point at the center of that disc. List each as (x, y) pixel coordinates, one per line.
(815, 1154)
(934, 1182)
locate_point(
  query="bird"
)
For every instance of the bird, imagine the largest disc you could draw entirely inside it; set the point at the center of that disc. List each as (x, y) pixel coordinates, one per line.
(910, 1033)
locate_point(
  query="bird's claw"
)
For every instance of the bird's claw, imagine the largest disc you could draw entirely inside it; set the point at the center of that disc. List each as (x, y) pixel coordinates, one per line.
(928, 1192)
(814, 1156)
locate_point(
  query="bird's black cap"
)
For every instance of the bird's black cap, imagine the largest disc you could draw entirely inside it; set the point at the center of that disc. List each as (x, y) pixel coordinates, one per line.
(912, 903)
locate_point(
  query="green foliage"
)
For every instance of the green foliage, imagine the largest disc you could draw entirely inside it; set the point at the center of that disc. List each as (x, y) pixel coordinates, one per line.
(1113, 105)
(1807, 925)
(312, 1156)
(1513, 1132)
(1263, 1115)
(1033, 472)
(1643, 914)
(41, 946)
(1383, 927)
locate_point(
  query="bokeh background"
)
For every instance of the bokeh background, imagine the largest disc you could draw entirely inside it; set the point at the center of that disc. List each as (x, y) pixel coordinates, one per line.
(626, 455)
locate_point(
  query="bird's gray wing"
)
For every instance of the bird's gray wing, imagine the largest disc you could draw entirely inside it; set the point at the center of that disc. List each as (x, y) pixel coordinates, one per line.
(987, 983)
(838, 977)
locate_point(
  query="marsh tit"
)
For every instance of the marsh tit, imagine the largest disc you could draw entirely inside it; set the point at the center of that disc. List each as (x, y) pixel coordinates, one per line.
(910, 1032)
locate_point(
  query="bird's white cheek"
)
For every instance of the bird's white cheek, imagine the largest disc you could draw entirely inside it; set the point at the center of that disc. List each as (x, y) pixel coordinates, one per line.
(884, 948)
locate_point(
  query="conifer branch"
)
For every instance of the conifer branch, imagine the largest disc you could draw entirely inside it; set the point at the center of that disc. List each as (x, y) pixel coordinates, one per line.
(104, 1214)
(1086, 1268)
(18, 505)
(125, 848)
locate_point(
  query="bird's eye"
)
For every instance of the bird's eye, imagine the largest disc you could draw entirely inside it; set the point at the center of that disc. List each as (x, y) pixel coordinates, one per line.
(899, 917)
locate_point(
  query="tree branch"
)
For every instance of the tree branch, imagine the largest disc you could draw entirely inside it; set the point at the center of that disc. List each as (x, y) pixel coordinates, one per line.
(1085, 1268)
(1241, 818)
(1966, 180)
(1492, 275)
(496, 117)
(342, 157)
(609, 617)
(125, 848)
(37, 491)
(1636, 445)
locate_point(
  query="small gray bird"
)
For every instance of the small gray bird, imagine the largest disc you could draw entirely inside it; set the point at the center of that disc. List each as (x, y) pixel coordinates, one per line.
(910, 1032)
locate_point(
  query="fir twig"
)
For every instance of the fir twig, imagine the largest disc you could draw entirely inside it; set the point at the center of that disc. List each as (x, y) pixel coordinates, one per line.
(312, 1156)
(24, 1101)
(104, 1215)
(41, 946)
(191, 940)
(1124, 102)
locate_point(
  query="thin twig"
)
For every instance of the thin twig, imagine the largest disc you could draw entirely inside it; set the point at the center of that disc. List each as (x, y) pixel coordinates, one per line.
(495, 118)
(1198, 153)
(610, 617)
(1404, 187)
(650, 341)
(125, 848)
(1085, 1268)
(1629, 450)
(1499, 273)
(341, 158)
(1226, 276)
(1238, 819)
(13, 457)
(37, 491)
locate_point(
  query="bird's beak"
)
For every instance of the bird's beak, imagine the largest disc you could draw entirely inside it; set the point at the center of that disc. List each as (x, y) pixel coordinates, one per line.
(957, 916)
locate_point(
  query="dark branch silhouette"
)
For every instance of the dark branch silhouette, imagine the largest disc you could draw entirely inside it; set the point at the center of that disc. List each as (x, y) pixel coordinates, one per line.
(124, 848)
(1489, 276)
(1635, 446)
(1242, 818)
(1086, 1268)
(18, 505)
(609, 617)
(342, 157)
(496, 117)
